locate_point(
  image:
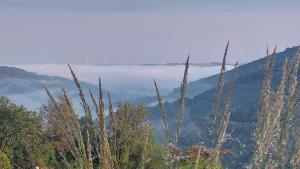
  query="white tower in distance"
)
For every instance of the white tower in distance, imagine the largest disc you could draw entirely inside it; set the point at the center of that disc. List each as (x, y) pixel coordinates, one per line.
(105, 60)
(87, 60)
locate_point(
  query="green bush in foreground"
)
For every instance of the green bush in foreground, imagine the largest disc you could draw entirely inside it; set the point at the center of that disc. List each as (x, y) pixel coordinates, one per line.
(4, 161)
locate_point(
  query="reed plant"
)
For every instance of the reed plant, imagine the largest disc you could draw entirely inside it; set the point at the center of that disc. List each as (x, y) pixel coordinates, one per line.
(172, 156)
(274, 117)
(216, 115)
(127, 136)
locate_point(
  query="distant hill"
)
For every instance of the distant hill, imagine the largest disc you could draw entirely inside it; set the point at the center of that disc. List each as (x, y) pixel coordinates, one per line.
(246, 93)
(27, 88)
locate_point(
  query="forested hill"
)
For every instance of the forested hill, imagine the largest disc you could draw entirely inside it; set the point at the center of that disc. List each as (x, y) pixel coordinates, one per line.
(202, 85)
(246, 92)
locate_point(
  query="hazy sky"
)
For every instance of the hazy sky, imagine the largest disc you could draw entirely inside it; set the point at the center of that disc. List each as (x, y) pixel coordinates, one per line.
(143, 31)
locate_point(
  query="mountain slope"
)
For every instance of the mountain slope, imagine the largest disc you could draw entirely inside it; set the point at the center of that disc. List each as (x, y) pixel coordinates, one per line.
(202, 85)
(246, 93)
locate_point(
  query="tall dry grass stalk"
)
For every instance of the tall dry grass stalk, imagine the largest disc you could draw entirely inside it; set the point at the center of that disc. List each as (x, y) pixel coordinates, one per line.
(163, 113)
(264, 116)
(223, 136)
(181, 111)
(264, 100)
(72, 132)
(76, 126)
(272, 129)
(84, 155)
(111, 115)
(114, 141)
(216, 116)
(273, 119)
(145, 152)
(287, 115)
(105, 153)
(89, 152)
(87, 111)
(277, 108)
(172, 143)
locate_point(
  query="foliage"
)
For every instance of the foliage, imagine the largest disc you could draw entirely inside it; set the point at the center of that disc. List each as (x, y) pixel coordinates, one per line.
(21, 138)
(44, 154)
(4, 161)
(203, 164)
(129, 133)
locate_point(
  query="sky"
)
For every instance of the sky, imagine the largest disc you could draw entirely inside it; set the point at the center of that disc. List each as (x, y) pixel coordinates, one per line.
(144, 31)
